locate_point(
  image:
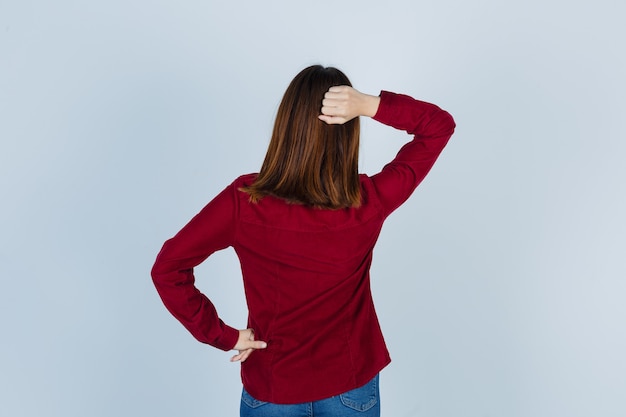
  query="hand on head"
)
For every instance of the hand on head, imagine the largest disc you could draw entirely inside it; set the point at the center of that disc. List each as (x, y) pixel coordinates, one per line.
(343, 103)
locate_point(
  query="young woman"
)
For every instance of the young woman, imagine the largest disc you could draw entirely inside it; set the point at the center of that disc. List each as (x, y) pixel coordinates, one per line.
(304, 229)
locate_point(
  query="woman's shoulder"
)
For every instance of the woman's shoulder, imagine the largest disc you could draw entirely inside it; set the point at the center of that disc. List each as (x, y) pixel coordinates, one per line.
(234, 191)
(245, 180)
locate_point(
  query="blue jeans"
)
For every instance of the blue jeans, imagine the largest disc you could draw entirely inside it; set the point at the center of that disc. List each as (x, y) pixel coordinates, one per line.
(362, 402)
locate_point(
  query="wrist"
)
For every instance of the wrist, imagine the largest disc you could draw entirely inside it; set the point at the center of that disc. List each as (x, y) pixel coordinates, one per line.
(370, 105)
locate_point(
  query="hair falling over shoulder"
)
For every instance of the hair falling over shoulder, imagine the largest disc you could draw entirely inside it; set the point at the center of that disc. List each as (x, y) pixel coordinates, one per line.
(308, 161)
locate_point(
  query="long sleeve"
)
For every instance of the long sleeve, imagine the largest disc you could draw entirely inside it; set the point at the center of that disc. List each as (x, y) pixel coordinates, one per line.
(210, 230)
(431, 128)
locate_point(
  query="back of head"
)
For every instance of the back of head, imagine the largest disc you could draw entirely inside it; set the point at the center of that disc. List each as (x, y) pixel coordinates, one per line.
(308, 161)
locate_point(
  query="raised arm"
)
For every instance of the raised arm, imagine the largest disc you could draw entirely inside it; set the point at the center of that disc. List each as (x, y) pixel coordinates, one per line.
(430, 126)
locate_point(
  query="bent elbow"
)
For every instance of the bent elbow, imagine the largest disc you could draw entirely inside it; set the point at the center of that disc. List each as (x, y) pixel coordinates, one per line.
(160, 270)
(446, 123)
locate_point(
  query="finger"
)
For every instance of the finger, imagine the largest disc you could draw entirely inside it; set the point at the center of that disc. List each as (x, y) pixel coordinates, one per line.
(245, 355)
(257, 344)
(335, 106)
(334, 111)
(324, 118)
(331, 120)
(330, 102)
(241, 356)
(250, 346)
(338, 88)
(328, 111)
(336, 97)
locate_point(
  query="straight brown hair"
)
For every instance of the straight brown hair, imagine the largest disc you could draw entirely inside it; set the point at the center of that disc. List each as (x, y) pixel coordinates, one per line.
(308, 161)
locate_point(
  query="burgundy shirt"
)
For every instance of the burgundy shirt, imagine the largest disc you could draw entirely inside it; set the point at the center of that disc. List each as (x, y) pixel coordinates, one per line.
(305, 270)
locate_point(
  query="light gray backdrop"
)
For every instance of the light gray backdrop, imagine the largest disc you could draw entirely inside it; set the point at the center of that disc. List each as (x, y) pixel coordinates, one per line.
(500, 284)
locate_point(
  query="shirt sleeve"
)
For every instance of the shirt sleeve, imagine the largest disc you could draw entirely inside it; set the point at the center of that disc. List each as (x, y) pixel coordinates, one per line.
(431, 128)
(212, 229)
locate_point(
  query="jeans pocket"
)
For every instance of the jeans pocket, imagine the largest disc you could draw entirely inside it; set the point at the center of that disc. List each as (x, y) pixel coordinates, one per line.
(362, 398)
(250, 401)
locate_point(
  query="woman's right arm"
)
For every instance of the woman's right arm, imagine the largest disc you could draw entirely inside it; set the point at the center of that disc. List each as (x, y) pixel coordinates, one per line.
(430, 126)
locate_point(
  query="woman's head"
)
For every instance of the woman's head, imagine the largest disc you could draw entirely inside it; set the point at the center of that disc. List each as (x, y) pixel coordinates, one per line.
(308, 161)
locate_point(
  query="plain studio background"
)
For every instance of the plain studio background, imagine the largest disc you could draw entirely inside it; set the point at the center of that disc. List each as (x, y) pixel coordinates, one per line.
(499, 285)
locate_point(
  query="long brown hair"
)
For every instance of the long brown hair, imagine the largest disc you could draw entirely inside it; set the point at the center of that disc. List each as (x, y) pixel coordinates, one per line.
(308, 161)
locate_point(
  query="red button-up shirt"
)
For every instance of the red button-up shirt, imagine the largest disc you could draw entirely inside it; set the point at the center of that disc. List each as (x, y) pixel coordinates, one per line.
(305, 270)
